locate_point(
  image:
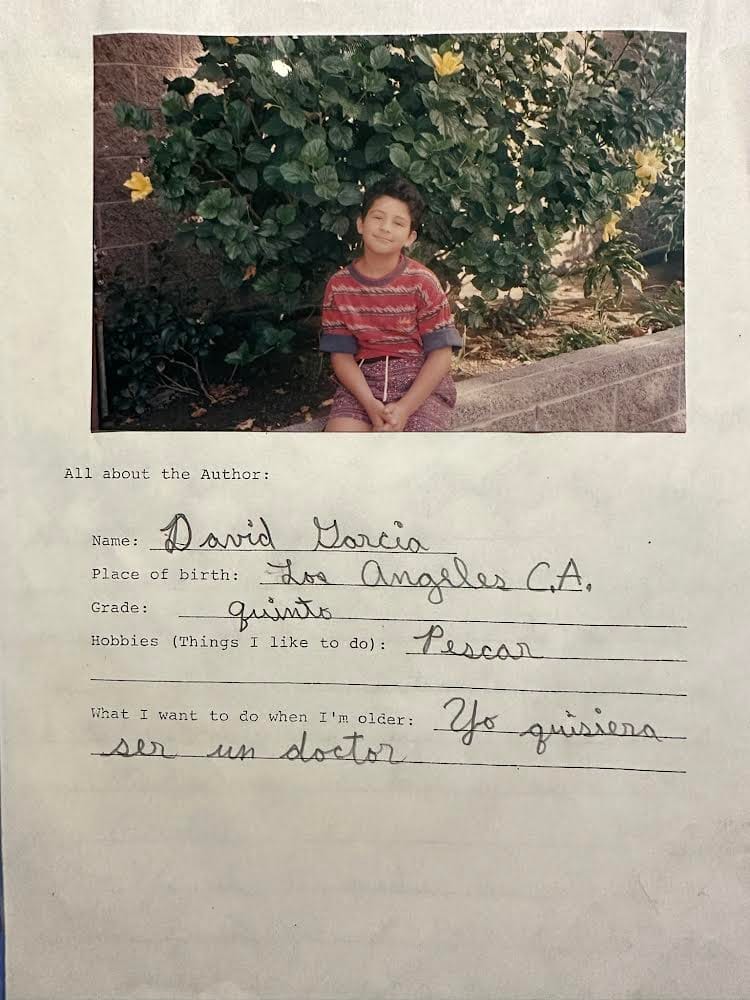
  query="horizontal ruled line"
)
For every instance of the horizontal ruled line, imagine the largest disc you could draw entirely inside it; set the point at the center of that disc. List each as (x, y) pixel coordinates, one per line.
(417, 586)
(368, 684)
(317, 552)
(432, 763)
(573, 736)
(535, 656)
(441, 621)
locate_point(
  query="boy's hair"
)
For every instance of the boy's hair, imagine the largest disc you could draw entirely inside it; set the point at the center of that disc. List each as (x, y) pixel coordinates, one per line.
(402, 190)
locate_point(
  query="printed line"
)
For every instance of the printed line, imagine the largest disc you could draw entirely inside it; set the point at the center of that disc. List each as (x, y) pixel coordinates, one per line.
(535, 656)
(440, 621)
(317, 552)
(432, 763)
(513, 732)
(367, 684)
(440, 584)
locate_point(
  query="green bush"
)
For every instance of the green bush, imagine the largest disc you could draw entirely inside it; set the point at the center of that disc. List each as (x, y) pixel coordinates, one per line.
(512, 139)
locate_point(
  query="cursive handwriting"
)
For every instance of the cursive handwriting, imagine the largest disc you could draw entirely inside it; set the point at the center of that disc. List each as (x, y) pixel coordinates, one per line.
(468, 723)
(302, 609)
(586, 729)
(485, 652)
(373, 575)
(330, 537)
(155, 750)
(179, 535)
(350, 750)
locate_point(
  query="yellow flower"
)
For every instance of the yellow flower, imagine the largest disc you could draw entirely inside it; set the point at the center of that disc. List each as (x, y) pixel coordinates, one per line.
(231, 40)
(610, 226)
(447, 64)
(649, 165)
(635, 197)
(140, 186)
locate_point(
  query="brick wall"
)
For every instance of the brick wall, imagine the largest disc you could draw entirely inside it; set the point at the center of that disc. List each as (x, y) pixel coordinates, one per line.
(636, 385)
(132, 68)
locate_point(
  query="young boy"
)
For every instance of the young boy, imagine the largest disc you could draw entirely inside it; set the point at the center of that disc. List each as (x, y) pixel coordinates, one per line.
(387, 325)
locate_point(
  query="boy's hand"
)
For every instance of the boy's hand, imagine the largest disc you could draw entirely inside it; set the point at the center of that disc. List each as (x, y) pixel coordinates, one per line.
(377, 415)
(396, 416)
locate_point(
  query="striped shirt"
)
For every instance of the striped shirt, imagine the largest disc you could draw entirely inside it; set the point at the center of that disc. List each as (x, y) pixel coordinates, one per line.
(401, 314)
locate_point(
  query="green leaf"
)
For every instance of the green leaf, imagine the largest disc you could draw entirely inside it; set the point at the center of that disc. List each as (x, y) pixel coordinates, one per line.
(256, 152)
(183, 85)
(399, 157)
(420, 171)
(341, 136)
(326, 182)
(341, 226)
(314, 153)
(349, 194)
(294, 172)
(263, 87)
(248, 178)
(286, 214)
(374, 81)
(214, 202)
(284, 44)
(404, 133)
(380, 57)
(219, 138)
(334, 65)
(424, 53)
(248, 62)
(375, 148)
(293, 115)
(238, 119)
(172, 105)
(130, 116)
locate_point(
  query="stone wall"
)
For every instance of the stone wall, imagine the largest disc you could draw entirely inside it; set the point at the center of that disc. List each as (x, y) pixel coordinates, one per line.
(132, 68)
(635, 385)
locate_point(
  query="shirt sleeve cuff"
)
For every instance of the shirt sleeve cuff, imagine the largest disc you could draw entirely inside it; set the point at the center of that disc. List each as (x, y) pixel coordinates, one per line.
(444, 336)
(338, 343)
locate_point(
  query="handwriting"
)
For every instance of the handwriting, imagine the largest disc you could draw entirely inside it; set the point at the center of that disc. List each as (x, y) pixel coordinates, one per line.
(229, 753)
(156, 750)
(352, 751)
(485, 652)
(468, 726)
(372, 575)
(180, 534)
(305, 580)
(330, 537)
(302, 609)
(586, 729)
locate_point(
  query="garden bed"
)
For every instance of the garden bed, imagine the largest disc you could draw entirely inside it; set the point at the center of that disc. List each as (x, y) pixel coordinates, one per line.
(287, 389)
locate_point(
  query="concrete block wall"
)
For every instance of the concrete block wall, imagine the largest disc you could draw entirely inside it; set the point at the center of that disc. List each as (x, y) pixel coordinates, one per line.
(133, 67)
(635, 385)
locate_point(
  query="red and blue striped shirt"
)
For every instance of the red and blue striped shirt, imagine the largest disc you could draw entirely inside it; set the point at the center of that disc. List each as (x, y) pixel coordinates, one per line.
(401, 314)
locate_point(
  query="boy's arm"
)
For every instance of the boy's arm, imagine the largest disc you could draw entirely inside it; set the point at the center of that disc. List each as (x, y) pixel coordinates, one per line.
(436, 366)
(350, 375)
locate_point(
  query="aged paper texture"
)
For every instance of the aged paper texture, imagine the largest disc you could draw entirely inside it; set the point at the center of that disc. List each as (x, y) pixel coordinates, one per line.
(290, 716)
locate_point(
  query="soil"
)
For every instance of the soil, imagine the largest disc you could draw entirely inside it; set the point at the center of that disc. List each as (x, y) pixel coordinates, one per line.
(287, 389)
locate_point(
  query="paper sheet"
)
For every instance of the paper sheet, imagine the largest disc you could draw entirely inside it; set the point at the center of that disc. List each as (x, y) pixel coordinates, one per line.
(511, 759)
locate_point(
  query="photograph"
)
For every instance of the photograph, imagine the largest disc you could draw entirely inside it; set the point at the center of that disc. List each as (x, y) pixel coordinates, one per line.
(389, 233)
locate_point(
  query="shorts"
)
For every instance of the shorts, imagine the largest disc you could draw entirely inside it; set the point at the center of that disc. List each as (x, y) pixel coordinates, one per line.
(435, 414)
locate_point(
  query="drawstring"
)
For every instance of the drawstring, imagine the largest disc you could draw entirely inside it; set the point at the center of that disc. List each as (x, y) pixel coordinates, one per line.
(385, 383)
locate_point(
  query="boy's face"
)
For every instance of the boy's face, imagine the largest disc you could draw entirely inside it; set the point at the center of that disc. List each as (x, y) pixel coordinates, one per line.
(386, 229)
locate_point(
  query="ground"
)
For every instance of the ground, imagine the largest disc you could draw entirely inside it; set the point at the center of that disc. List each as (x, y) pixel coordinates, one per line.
(290, 388)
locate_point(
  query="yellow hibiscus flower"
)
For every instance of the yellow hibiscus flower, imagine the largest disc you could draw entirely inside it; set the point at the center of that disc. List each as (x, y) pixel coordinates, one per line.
(610, 227)
(140, 186)
(649, 165)
(447, 64)
(636, 196)
(231, 40)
